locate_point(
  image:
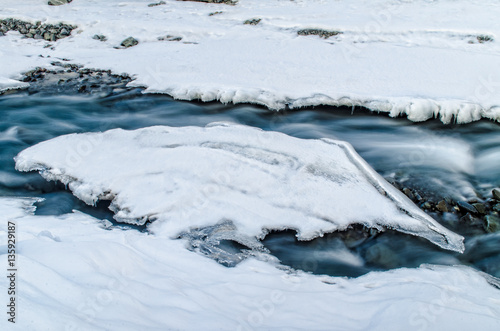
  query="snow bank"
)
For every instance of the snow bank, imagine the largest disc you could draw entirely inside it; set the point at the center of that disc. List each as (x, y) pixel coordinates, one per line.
(191, 177)
(74, 274)
(422, 59)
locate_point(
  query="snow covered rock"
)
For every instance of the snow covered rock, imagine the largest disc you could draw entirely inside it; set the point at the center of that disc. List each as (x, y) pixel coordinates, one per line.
(192, 177)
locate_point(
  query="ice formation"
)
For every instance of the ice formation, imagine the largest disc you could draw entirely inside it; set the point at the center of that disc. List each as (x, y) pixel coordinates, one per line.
(192, 177)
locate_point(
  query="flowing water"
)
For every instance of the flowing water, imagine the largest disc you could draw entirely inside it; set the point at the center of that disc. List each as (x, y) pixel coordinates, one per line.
(460, 162)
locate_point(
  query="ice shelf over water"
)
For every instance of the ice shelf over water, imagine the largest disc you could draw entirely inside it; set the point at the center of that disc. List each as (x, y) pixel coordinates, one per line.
(421, 58)
(74, 274)
(193, 177)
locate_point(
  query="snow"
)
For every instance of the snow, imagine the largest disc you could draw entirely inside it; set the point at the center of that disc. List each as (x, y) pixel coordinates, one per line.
(416, 58)
(74, 273)
(192, 177)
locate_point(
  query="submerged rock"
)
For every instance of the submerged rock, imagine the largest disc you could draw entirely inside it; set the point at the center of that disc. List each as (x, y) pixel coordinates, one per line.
(492, 223)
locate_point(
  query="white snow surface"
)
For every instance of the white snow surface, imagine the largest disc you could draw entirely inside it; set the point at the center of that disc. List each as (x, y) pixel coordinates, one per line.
(74, 274)
(420, 58)
(192, 177)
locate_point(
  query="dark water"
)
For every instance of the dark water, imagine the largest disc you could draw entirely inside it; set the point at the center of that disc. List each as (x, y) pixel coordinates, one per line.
(460, 162)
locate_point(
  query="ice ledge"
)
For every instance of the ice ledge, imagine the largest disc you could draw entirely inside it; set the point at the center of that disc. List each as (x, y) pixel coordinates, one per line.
(192, 177)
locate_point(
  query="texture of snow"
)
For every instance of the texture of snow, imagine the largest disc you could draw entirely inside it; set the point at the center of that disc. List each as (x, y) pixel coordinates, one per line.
(75, 274)
(192, 177)
(419, 58)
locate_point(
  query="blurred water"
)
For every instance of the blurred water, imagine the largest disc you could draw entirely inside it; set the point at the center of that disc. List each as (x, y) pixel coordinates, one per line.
(456, 161)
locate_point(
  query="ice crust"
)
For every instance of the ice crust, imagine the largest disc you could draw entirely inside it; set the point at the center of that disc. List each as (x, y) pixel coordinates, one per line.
(422, 59)
(75, 274)
(193, 177)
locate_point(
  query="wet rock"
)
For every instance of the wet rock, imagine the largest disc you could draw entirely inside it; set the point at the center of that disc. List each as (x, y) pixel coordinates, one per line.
(492, 223)
(481, 208)
(381, 255)
(129, 42)
(408, 193)
(470, 220)
(427, 205)
(58, 2)
(496, 193)
(496, 207)
(253, 21)
(442, 207)
(466, 207)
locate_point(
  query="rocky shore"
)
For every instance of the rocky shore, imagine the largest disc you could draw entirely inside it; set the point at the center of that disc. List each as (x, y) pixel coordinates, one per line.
(69, 78)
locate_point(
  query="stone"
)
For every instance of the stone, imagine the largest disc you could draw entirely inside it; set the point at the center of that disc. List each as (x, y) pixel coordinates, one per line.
(467, 207)
(253, 21)
(129, 42)
(442, 207)
(492, 223)
(318, 32)
(157, 4)
(481, 208)
(408, 193)
(496, 193)
(496, 207)
(58, 2)
(47, 36)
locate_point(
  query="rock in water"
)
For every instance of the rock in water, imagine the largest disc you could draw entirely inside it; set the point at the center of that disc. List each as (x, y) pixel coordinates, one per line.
(496, 193)
(492, 223)
(129, 42)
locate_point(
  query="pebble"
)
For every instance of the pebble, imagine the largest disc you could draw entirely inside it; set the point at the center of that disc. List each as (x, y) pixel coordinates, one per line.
(408, 193)
(442, 207)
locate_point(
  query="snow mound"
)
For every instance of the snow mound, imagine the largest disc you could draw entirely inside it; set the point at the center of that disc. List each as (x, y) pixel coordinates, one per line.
(74, 274)
(193, 177)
